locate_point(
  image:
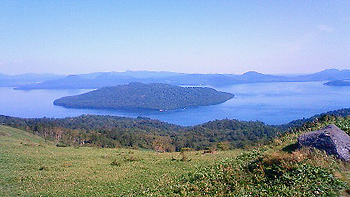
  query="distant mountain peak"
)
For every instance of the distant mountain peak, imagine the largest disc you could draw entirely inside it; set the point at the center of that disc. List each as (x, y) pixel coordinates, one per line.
(252, 73)
(331, 71)
(73, 76)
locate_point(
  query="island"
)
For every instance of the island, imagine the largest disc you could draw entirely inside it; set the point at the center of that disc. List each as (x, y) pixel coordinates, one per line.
(338, 83)
(153, 96)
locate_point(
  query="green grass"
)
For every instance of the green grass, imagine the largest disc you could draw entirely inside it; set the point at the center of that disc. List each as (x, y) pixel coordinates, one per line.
(30, 166)
(277, 169)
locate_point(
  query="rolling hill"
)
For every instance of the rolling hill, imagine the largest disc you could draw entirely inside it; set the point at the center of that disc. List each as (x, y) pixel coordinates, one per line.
(34, 166)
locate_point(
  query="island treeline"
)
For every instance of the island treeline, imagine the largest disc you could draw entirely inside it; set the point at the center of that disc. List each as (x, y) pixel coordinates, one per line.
(155, 96)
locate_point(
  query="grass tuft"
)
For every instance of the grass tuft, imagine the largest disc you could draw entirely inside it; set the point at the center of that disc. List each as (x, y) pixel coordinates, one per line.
(115, 163)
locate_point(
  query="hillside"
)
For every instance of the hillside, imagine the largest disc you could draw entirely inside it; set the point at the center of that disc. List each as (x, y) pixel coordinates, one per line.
(153, 96)
(32, 166)
(145, 133)
(110, 131)
(277, 169)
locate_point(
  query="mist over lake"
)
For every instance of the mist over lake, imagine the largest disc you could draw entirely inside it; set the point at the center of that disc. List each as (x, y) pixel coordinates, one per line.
(272, 103)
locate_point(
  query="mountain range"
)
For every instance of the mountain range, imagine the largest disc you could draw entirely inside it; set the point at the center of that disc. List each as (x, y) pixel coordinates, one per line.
(103, 79)
(24, 79)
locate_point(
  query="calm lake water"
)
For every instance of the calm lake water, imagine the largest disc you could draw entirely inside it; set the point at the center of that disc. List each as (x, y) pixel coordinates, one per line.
(272, 103)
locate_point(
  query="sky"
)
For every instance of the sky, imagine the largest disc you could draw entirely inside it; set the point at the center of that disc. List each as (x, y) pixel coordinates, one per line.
(218, 36)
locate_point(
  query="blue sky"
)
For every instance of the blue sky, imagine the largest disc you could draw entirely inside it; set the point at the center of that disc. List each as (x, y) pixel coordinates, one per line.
(276, 37)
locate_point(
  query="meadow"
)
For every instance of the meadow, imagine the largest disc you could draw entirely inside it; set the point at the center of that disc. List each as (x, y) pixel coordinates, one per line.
(31, 166)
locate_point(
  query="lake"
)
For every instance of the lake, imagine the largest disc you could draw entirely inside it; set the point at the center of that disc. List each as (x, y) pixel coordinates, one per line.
(272, 103)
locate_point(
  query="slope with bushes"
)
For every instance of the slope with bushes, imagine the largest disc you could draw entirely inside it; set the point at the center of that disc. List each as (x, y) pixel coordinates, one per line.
(110, 131)
(277, 169)
(33, 166)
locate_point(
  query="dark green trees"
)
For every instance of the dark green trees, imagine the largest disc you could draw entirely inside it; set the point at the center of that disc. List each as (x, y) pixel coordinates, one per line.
(154, 96)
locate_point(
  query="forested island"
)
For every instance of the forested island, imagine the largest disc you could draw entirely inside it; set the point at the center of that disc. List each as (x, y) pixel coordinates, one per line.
(154, 96)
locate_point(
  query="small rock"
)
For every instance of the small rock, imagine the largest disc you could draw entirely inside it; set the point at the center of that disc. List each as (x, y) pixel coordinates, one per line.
(330, 139)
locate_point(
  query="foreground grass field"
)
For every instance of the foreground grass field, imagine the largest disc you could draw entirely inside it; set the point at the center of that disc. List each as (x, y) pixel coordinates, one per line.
(31, 166)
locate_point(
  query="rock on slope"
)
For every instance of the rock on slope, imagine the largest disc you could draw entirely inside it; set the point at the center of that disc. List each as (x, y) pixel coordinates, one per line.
(330, 139)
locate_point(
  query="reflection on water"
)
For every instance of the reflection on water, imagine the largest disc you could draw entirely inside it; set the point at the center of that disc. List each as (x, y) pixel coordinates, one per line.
(272, 103)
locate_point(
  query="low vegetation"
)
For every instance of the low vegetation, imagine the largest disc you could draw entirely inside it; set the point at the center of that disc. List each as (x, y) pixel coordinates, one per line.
(277, 169)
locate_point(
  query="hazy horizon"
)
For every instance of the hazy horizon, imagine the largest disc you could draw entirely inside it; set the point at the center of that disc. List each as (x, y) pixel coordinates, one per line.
(229, 37)
(277, 74)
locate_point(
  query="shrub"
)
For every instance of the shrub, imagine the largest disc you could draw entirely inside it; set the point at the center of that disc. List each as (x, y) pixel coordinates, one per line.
(261, 174)
(223, 145)
(131, 158)
(61, 144)
(183, 155)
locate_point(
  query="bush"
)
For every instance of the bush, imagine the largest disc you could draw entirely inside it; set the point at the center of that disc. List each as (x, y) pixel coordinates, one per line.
(131, 158)
(61, 144)
(261, 174)
(183, 155)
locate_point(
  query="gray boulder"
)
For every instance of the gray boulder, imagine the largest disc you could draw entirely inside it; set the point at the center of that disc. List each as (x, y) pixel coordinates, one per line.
(330, 139)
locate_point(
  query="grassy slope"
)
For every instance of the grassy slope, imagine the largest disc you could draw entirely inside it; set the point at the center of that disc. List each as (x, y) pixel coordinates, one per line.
(277, 169)
(31, 166)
